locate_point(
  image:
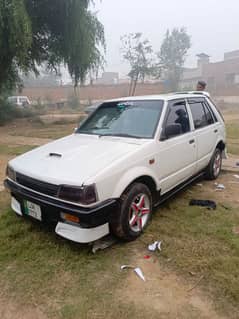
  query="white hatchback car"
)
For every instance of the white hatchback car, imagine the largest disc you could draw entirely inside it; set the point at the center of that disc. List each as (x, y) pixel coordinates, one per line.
(20, 101)
(125, 158)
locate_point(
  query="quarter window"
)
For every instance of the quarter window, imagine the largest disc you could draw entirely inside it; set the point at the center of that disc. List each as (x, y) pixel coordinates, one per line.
(208, 115)
(201, 114)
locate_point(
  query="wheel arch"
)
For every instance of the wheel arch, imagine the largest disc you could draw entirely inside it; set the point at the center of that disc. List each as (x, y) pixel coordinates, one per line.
(221, 145)
(137, 176)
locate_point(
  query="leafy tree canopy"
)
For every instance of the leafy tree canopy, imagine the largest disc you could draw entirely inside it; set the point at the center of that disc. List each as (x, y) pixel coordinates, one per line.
(33, 32)
(172, 55)
(138, 53)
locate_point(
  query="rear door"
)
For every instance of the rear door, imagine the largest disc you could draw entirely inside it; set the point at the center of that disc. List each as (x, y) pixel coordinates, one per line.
(177, 154)
(206, 128)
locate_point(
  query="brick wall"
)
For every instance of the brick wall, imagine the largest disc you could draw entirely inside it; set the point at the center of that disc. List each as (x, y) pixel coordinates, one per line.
(218, 72)
(89, 93)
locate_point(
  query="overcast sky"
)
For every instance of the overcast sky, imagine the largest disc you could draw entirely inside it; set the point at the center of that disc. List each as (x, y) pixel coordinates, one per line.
(212, 24)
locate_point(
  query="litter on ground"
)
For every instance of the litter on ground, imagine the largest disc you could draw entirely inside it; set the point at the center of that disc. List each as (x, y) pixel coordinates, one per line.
(154, 246)
(204, 203)
(126, 266)
(219, 186)
(236, 176)
(137, 270)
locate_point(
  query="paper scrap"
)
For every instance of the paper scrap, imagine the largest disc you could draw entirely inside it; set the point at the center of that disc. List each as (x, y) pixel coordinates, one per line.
(154, 246)
(126, 266)
(139, 272)
(220, 186)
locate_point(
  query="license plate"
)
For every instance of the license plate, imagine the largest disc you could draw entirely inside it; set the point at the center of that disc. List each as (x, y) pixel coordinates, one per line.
(32, 210)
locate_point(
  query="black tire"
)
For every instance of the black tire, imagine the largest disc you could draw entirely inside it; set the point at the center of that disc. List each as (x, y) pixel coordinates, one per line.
(133, 218)
(214, 167)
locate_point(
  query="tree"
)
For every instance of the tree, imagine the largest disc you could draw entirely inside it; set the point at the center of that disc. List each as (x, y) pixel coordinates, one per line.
(172, 56)
(39, 32)
(139, 54)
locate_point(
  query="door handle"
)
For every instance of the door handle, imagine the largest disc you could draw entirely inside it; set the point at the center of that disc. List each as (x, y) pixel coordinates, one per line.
(215, 131)
(191, 141)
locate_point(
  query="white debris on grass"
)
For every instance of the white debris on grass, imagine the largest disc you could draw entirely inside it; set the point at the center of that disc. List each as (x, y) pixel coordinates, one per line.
(219, 186)
(154, 246)
(137, 270)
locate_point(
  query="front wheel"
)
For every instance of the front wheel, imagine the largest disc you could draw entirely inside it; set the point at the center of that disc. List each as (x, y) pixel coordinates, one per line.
(134, 214)
(214, 168)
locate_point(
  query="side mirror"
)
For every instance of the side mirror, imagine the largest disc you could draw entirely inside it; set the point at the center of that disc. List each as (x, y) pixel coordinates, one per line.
(170, 131)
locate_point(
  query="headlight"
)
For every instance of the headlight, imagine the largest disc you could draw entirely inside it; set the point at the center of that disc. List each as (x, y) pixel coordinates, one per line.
(84, 195)
(11, 174)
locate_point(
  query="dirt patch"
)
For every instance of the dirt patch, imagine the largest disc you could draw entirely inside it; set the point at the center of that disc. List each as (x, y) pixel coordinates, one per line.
(10, 310)
(165, 292)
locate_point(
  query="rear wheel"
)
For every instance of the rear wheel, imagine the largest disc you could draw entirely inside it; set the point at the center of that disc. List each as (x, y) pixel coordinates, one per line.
(134, 214)
(214, 168)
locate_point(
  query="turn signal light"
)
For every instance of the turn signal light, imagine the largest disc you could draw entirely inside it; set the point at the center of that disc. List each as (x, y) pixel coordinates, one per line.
(70, 218)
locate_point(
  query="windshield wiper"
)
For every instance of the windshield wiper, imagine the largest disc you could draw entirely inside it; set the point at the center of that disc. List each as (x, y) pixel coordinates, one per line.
(120, 135)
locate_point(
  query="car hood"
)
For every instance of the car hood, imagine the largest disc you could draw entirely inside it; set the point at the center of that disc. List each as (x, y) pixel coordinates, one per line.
(74, 159)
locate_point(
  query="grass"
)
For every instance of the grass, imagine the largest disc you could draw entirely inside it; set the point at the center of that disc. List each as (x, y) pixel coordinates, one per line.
(232, 130)
(233, 148)
(63, 278)
(66, 279)
(233, 137)
(15, 150)
(198, 240)
(45, 131)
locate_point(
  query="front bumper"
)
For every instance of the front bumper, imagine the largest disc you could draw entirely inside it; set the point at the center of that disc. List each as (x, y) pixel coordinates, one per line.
(94, 221)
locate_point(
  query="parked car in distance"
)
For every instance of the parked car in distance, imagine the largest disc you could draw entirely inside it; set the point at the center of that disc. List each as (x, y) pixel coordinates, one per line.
(20, 101)
(127, 157)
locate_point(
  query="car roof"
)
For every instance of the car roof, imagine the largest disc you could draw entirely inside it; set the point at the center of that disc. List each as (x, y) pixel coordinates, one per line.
(164, 97)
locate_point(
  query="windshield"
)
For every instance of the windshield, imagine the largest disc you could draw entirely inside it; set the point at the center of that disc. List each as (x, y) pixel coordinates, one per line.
(137, 119)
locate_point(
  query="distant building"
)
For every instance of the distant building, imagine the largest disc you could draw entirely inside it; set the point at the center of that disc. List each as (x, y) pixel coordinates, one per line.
(218, 75)
(108, 78)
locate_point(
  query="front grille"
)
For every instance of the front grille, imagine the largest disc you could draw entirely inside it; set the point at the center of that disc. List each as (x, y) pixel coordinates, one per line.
(36, 185)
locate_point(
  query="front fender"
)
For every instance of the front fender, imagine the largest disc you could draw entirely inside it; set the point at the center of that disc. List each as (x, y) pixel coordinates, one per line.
(130, 176)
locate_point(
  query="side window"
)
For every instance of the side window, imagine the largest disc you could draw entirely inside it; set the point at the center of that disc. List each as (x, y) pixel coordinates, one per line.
(200, 117)
(178, 115)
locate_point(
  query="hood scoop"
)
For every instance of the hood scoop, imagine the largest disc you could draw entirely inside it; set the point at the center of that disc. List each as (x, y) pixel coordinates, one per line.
(55, 155)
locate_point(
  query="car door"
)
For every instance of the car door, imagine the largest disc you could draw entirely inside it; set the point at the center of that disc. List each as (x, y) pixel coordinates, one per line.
(206, 128)
(177, 154)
